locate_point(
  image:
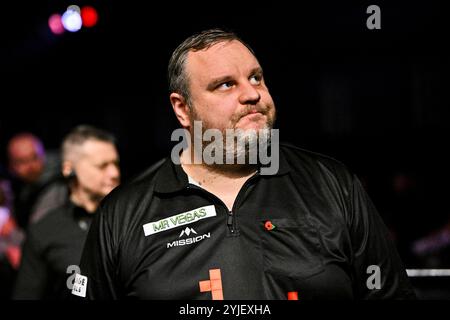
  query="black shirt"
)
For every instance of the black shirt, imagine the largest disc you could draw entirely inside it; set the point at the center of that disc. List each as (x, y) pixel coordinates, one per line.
(310, 229)
(52, 245)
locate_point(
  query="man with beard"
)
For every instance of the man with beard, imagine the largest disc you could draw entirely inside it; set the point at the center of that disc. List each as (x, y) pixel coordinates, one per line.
(195, 229)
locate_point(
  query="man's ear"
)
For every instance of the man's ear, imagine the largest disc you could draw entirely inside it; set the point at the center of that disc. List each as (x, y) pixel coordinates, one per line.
(181, 109)
(67, 168)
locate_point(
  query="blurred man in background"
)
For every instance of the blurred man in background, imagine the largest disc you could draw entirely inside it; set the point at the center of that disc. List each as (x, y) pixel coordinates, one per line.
(36, 178)
(54, 244)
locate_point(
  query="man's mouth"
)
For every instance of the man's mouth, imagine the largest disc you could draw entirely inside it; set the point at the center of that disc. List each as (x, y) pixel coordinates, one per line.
(253, 113)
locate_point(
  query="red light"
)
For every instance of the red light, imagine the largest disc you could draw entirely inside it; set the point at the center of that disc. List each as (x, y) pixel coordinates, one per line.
(89, 16)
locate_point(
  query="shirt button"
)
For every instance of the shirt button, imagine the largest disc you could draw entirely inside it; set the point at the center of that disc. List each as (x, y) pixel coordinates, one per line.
(83, 225)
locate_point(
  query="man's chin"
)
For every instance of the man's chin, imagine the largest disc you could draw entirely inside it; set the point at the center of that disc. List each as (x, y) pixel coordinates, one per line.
(107, 190)
(253, 126)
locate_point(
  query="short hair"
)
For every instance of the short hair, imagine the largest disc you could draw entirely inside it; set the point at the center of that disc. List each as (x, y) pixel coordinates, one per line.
(177, 77)
(82, 133)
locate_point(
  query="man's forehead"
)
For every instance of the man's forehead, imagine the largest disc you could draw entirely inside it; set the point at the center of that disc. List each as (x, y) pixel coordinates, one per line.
(98, 150)
(22, 146)
(221, 56)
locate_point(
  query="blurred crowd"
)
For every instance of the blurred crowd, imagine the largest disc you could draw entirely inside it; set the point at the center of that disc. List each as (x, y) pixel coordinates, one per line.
(47, 200)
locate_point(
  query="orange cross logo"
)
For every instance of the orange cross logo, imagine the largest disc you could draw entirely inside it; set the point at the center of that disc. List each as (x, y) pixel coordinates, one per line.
(214, 284)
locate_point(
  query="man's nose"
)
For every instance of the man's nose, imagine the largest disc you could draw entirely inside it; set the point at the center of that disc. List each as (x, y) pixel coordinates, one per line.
(113, 171)
(249, 94)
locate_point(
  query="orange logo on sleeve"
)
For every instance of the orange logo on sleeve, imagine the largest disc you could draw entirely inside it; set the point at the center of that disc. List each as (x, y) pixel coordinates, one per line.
(214, 284)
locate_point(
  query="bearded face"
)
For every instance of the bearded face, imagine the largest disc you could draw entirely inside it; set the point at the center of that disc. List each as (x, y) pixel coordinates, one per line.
(228, 92)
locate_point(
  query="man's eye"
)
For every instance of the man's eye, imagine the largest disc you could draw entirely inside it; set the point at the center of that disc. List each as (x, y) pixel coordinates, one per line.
(255, 80)
(225, 85)
(102, 166)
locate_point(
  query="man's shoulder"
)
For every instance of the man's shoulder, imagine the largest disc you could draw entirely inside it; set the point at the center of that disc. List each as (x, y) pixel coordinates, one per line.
(125, 202)
(140, 185)
(51, 223)
(299, 158)
(148, 174)
(52, 196)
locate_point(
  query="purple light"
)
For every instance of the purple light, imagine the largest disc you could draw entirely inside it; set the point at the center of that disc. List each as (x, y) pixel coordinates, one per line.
(55, 24)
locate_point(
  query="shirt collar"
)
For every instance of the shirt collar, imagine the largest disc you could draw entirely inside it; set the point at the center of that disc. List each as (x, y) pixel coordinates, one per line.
(79, 212)
(172, 178)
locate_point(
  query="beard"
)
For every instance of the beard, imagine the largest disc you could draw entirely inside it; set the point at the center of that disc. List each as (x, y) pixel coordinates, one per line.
(237, 146)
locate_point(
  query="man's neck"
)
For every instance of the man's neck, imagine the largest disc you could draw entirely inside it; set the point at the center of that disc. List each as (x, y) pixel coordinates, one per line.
(204, 173)
(84, 200)
(225, 181)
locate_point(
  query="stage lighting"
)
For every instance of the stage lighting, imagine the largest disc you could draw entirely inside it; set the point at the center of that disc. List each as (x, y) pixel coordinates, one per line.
(89, 16)
(71, 19)
(55, 24)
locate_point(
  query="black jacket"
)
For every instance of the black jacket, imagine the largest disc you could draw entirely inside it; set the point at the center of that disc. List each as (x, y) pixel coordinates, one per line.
(310, 229)
(52, 245)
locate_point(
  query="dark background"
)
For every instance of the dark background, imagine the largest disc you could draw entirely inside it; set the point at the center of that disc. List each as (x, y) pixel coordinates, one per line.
(375, 99)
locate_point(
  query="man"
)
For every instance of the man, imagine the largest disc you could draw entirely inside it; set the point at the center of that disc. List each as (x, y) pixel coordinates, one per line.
(26, 157)
(36, 178)
(54, 244)
(202, 230)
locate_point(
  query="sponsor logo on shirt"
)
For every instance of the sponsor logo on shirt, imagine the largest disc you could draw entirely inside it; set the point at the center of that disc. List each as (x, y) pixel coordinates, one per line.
(187, 232)
(179, 220)
(213, 284)
(187, 241)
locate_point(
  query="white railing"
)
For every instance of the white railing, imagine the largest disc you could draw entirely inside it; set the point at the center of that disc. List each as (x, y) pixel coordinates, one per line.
(428, 272)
